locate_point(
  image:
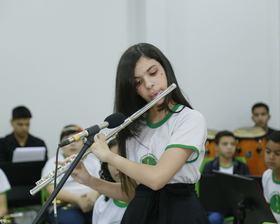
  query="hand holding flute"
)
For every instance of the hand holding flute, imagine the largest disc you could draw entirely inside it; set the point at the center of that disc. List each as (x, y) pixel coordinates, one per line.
(45, 180)
(100, 149)
(160, 152)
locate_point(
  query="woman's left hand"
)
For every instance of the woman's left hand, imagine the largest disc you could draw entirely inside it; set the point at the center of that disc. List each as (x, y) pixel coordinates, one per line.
(91, 197)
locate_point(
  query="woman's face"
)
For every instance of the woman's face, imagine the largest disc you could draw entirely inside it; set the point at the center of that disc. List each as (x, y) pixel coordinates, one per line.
(150, 79)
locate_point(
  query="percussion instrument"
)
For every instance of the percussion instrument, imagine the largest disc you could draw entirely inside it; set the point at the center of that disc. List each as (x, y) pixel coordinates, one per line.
(210, 150)
(251, 143)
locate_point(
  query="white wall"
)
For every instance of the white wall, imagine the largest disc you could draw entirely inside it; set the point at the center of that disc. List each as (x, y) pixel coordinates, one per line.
(225, 53)
(59, 57)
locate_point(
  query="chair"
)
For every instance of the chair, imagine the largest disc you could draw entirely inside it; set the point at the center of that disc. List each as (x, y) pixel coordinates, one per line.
(205, 160)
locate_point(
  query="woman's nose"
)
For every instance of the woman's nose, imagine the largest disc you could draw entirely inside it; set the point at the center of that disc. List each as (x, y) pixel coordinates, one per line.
(149, 83)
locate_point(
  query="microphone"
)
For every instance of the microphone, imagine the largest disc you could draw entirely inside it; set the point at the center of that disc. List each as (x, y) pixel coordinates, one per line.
(111, 121)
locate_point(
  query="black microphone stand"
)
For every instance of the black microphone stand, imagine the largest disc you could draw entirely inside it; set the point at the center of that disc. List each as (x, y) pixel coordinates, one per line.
(88, 143)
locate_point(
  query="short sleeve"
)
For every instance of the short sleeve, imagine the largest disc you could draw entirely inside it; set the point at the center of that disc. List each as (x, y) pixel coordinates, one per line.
(189, 132)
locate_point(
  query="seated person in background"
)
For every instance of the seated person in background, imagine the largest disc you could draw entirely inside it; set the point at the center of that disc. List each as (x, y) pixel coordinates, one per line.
(225, 144)
(261, 116)
(108, 210)
(4, 187)
(20, 137)
(74, 201)
(271, 177)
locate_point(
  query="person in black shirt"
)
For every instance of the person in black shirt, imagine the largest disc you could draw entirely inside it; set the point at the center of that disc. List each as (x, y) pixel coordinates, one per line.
(261, 116)
(20, 136)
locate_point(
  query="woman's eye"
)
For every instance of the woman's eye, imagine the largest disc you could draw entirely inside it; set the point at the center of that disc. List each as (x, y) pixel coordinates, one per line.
(153, 73)
(137, 83)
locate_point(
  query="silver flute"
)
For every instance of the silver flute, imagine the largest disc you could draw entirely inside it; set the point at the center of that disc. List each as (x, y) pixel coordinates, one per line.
(44, 181)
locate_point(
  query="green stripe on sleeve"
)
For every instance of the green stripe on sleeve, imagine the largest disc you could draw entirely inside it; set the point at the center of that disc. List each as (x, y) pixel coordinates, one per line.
(185, 147)
(120, 204)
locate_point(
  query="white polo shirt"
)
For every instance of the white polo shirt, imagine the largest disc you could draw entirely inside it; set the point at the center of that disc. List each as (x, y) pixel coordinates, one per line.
(4, 182)
(271, 190)
(186, 129)
(91, 163)
(110, 212)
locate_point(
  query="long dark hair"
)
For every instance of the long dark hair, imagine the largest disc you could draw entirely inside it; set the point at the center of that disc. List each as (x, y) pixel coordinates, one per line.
(104, 171)
(127, 101)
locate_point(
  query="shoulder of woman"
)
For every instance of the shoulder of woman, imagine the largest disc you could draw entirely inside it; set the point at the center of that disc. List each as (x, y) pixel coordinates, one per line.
(195, 116)
(192, 112)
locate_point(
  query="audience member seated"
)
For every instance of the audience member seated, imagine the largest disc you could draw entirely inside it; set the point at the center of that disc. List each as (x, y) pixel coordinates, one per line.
(108, 210)
(261, 116)
(20, 136)
(4, 187)
(225, 144)
(74, 201)
(271, 177)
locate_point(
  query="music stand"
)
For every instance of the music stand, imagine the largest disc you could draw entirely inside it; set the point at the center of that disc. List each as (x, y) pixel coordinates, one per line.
(210, 195)
(245, 198)
(22, 177)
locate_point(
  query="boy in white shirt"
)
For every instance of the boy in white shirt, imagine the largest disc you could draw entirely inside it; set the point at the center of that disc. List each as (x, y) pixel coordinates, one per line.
(271, 177)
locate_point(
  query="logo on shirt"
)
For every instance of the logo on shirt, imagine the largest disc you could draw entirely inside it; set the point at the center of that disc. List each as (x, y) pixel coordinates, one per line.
(275, 203)
(149, 159)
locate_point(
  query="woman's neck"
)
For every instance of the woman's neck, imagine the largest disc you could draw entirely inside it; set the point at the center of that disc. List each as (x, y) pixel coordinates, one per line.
(156, 116)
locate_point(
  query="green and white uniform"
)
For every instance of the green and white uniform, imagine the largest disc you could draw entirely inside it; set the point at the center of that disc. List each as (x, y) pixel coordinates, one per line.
(185, 129)
(91, 163)
(177, 201)
(271, 190)
(108, 212)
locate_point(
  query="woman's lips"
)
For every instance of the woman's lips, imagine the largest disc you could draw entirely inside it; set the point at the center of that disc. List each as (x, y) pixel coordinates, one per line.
(155, 94)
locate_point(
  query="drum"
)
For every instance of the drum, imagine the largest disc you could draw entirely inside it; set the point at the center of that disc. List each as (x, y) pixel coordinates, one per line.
(251, 143)
(210, 150)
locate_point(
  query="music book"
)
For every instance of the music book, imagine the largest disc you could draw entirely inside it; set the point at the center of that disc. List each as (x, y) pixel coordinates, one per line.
(29, 154)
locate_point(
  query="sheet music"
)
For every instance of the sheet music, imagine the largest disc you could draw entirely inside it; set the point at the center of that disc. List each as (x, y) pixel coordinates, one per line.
(29, 154)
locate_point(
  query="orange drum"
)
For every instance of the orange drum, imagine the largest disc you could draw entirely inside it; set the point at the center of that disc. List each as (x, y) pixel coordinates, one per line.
(251, 143)
(210, 151)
